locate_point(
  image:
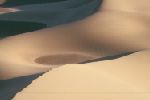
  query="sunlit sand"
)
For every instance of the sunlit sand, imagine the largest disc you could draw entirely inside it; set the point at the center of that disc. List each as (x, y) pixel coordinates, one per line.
(115, 28)
(123, 78)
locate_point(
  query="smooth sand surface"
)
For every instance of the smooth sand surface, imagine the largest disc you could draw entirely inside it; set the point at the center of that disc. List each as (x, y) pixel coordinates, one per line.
(24, 50)
(126, 78)
(118, 27)
(107, 32)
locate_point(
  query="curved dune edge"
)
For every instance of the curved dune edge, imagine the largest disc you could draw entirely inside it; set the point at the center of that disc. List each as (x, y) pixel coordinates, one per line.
(93, 36)
(101, 34)
(41, 64)
(109, 32)
(54, 14)
(123, 78)
(9, 88)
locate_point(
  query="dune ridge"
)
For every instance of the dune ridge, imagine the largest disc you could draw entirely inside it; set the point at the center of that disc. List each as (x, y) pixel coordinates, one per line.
(54, 13)
(111, 41)
(123, 78)
(102, 34)
(9, 88)
(46, 14)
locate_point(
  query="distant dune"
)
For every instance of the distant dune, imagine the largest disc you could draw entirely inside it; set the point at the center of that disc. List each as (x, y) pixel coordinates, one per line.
(45, 13)
(53, 13)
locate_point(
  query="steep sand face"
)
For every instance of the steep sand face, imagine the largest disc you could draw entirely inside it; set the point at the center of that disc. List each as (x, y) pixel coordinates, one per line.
(126, 78)
(108, 32)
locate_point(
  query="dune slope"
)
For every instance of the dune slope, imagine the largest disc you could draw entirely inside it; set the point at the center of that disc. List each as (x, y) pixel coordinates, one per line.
(108, 32)
(123, 78)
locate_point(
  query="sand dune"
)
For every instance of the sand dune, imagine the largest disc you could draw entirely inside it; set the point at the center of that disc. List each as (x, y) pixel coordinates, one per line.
(116, 29)
(53, 13)
(9, 88)
(123, 78)
(44, 14)
(105, 33)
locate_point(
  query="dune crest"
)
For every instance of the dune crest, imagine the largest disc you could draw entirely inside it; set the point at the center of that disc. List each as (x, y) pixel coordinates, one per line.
(124, 78)
(105, 33)
(99, 47)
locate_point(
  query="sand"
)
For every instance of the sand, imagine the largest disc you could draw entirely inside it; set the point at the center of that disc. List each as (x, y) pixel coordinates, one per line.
(123, 78)
(53, 13)
(102, 34)
(118, 27)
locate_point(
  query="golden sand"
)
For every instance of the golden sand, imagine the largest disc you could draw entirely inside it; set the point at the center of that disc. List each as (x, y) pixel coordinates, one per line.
(123, 78)
(119, 26)
(110, 31)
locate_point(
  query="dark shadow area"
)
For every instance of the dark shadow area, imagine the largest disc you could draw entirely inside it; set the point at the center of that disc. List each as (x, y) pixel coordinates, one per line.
(51, 15)
(12, 3)
(113, 57)
(10, 28)
(61, 59)
(9, 88)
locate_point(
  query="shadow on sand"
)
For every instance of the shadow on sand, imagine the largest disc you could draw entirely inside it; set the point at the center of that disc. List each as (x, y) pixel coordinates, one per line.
(12, 3)
(10, 28)
(9, 88)
(113, 57)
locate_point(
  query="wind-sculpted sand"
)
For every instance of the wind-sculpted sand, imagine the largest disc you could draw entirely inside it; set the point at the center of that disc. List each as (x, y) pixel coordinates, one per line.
(102, 34)
(126, 78)
(108, 43)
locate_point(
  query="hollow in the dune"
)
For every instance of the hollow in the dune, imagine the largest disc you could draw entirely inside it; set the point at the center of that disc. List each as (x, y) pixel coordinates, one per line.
(60, 59)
